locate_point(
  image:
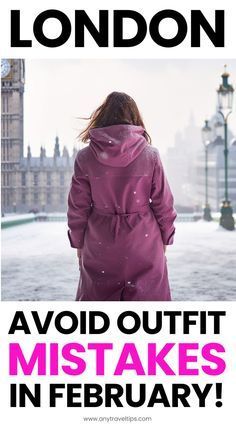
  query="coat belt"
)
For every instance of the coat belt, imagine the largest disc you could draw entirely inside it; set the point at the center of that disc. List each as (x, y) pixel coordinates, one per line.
(119, 215)
(143, 208)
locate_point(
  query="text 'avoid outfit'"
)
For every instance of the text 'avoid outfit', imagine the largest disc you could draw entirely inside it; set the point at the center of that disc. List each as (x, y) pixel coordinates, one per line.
(120, 214)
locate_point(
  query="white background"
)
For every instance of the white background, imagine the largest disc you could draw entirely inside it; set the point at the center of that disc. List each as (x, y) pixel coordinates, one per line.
(147, 49)
(113, 309)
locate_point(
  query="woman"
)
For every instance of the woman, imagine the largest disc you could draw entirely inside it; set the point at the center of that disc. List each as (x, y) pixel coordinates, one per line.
(120, 208)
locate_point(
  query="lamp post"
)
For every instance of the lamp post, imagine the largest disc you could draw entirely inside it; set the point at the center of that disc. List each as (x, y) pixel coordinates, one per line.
(225, 105)
(206, 139)
(219, 130)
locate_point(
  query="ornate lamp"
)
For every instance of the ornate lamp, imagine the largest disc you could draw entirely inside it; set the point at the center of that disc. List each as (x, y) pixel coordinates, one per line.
(225, 106)
(206, 139)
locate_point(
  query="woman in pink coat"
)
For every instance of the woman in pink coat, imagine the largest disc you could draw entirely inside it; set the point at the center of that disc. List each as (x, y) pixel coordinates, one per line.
(120, 208)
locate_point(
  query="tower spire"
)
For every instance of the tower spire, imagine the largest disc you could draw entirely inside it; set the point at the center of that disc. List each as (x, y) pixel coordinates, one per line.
(29, 153)
(57, 153)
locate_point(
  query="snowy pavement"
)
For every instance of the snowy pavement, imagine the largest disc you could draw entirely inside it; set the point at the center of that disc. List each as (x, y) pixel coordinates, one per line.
(38, 263)
(202, 262)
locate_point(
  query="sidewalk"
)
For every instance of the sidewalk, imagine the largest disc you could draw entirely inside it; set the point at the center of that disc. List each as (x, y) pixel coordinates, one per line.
(38, 263)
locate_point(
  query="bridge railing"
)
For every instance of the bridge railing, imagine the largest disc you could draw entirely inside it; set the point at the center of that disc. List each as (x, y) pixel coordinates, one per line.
(17, 219)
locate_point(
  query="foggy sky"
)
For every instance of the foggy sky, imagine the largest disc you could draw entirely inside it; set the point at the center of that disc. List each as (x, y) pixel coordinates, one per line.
(167, 92)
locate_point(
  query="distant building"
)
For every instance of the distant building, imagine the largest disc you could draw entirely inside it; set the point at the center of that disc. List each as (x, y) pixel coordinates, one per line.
(28, 183)
(179, 163)
(216, 174)
(185, 165)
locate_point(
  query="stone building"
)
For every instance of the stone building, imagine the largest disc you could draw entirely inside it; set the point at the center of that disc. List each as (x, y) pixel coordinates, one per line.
(185, 165)
(179, 164)
(216, 174)
(28, 183)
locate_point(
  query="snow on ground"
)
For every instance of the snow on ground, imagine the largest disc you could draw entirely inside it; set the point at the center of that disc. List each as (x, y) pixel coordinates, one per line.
(202, 262)
(38, 263)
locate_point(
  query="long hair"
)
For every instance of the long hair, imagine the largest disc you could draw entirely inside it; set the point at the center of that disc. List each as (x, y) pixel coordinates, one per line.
(118, 108)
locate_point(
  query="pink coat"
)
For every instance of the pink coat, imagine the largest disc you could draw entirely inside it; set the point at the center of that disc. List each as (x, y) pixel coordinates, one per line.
(120, 213)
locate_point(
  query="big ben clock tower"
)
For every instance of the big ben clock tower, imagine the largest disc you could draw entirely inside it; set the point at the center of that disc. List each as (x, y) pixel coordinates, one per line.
(12, 85)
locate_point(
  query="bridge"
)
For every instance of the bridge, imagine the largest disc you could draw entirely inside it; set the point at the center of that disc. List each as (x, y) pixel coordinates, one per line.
(39, 264)
(19, 219)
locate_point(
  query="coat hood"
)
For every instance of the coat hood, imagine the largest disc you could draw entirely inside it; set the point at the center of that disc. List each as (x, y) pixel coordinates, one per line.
(117, 145)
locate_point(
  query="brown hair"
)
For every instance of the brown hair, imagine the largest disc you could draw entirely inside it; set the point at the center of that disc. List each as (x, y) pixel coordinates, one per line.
(118, 108)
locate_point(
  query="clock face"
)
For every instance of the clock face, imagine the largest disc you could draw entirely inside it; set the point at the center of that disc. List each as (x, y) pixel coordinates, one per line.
(5, 67)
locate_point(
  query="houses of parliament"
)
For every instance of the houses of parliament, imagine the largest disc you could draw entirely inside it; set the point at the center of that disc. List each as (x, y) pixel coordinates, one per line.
(29, 184)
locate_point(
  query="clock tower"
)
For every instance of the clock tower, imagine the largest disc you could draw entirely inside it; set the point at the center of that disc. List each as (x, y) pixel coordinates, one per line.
(12, 86)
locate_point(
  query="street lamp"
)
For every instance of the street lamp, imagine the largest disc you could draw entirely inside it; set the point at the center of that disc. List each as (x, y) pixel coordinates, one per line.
(206, 139)
(219, 130)
(225, 106)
